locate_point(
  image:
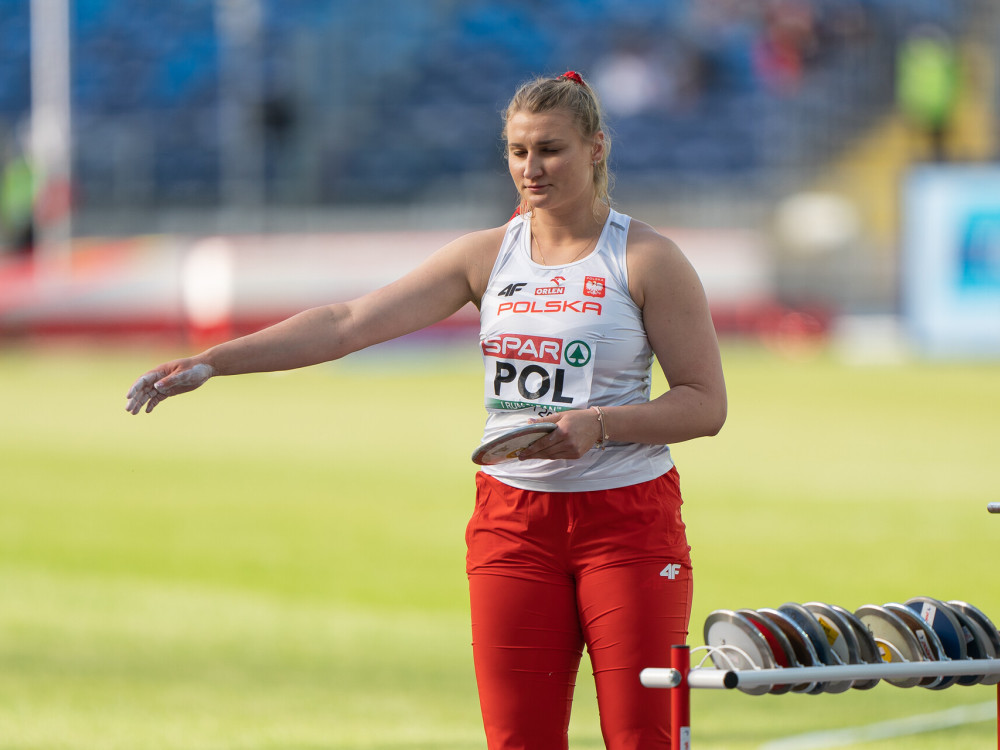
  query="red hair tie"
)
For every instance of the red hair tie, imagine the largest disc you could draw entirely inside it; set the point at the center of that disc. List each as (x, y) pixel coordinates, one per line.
(573, 76)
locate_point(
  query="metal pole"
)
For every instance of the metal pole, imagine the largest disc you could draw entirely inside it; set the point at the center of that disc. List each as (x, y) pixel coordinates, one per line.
(724, 678)
(51, 153)
(681, 678)
(680, 700)
(240, 94)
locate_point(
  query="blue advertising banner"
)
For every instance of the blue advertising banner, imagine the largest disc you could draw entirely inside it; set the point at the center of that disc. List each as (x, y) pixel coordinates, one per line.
(950, 260)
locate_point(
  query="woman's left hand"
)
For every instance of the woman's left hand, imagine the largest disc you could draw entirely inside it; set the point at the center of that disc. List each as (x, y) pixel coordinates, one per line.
(577, 431)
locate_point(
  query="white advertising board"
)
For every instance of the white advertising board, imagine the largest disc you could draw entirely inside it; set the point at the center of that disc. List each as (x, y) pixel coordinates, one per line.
(950, 265)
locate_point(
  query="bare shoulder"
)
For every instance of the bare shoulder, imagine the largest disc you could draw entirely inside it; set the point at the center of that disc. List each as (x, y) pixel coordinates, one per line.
(454, 275)
(481, 236)
(483, 241)
(477, 251)
(655, 262)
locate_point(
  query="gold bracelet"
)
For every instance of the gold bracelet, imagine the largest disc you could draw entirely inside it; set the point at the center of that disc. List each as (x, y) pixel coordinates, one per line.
(604, 430)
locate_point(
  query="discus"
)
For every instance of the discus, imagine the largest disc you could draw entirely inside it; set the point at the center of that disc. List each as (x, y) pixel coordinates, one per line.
(805, 620)
(507, 446)
(867, 648)
(943, 622)
(894, 656)
(929, 642)
(838, 632)
(839, 635)
(802, 647)
(782, 650)
(736, 643)
(895, 640)
(817, 635)
(977, 644)
(992, 636)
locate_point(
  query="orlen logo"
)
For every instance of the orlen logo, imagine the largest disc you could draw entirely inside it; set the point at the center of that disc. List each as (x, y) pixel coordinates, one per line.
(556, 288)
(527, 348)
(593, 286)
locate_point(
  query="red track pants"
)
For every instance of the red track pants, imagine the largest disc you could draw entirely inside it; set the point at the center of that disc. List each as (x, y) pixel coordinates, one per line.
(550, 572)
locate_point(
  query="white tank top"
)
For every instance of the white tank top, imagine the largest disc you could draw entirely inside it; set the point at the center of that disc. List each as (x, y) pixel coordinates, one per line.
(566, 337)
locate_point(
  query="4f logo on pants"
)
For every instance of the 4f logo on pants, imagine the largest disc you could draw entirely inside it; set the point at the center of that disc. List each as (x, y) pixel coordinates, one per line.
(671, 571)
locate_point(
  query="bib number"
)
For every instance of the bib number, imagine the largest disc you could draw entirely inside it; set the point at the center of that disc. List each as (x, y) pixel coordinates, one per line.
(557, 381)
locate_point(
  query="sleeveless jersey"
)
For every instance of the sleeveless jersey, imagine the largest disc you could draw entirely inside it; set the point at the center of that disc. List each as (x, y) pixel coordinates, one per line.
(565, 337)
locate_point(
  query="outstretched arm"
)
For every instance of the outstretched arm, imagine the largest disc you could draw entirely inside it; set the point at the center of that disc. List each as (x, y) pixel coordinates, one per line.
(440, 286)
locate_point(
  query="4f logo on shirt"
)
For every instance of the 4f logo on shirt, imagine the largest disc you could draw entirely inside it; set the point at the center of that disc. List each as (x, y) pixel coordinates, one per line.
(510, 289)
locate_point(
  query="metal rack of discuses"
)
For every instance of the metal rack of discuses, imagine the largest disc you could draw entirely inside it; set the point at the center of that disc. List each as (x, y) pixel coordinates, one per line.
(819, 648)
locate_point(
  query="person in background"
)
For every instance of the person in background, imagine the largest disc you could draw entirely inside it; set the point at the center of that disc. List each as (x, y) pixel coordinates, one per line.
(18, 190)
(927, 85)
(579, 541)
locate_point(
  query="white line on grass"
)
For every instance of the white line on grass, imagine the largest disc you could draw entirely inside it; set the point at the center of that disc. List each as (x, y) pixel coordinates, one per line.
(952, 717)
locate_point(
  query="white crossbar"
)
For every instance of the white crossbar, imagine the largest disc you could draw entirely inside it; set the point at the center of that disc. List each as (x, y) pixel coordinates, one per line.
(654, 677)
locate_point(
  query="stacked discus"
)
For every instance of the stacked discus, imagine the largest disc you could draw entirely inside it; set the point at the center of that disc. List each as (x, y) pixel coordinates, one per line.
(816, 635)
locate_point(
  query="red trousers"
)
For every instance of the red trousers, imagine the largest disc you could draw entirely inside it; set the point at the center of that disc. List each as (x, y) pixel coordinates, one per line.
(550, 572)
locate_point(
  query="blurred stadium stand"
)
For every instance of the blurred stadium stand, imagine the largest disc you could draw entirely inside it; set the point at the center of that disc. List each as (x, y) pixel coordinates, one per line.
(719, 109)
(395, 101)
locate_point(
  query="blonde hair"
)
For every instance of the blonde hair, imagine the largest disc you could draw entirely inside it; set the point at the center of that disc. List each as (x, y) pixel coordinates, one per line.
(571, 93)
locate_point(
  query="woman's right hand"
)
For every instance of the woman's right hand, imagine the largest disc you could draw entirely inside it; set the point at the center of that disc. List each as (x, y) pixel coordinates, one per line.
(170, 379)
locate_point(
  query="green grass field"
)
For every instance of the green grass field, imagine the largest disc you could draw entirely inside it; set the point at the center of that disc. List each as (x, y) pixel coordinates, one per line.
(252, 567)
